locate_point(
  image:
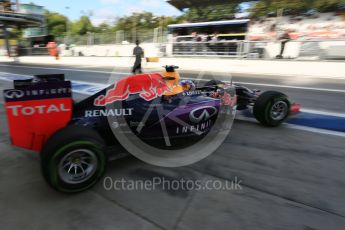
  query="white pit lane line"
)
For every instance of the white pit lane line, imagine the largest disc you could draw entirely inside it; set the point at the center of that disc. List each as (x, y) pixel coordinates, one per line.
(243, 83)
(281, 86)
(126, 73)
(4, 74)
(5, 77)
(293, 87)
(323, 112)
(298, 127)
(66, 69)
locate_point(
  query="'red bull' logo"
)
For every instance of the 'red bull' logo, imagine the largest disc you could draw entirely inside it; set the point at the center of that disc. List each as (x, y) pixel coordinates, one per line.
(148, 86)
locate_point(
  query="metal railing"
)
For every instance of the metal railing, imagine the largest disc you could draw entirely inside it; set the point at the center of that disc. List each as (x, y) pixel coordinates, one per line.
(224, 48)
(158, 35)
(322, 49)
(39, 51)
(257, 49)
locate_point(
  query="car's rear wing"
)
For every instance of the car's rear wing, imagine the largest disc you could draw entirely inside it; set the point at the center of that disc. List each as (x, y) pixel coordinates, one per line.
(36, 108)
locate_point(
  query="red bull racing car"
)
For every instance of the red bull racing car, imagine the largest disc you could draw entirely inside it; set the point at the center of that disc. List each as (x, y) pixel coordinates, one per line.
(75, 140)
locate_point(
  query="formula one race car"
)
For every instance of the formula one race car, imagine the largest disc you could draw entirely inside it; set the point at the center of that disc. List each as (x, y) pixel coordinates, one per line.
(156, 111)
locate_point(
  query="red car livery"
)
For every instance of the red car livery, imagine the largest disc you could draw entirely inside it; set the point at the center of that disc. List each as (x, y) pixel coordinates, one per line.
(148, 86)
(36, 112)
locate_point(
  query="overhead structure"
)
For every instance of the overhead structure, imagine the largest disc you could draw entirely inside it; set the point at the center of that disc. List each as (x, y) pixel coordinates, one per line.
(215, 23)
(21, 20)
(186, 4)
(16, 15)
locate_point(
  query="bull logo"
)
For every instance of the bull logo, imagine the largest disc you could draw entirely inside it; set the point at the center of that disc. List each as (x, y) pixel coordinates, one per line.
(14, 94)
(202, 114)
(148, 86)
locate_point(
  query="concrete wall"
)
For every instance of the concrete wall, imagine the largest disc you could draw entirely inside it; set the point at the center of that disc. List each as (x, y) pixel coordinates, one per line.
(207, 66)
(295, 49)
(151, 50)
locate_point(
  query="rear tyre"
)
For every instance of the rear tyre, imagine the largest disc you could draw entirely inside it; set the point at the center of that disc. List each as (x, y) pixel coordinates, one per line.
(271, 108)
(73, 159)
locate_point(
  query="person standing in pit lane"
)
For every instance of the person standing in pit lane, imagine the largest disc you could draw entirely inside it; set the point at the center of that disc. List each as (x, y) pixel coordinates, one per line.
(53, 49)
(284, 38)
(138, 52)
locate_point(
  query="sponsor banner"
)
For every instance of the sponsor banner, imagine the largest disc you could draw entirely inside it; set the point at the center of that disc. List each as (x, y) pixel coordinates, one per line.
(200, 121)
(31, 123)
(109, 112)
(39, 92)
(87, 88)
(195, 129)
(191, 93)
(22, 110)
(202, 114)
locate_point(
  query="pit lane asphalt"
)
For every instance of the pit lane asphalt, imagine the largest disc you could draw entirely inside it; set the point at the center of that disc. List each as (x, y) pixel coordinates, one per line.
(292, 179)
(325, 94)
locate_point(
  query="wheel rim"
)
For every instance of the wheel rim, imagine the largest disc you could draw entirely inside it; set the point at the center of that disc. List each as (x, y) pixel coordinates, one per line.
(279, 110)
(78, 166)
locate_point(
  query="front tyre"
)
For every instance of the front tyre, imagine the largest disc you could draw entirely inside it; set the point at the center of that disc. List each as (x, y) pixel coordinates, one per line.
(73, 159)
(271, 108)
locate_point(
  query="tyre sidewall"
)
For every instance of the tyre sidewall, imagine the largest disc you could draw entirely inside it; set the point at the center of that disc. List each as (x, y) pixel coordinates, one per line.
(263, 106)
(56, 157)
(63, 142)
(269, 119)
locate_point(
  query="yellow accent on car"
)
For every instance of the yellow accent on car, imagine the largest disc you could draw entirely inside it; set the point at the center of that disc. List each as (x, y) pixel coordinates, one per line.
(173, 81)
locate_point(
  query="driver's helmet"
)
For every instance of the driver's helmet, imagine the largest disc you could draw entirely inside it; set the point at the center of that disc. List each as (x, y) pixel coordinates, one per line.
(188, 85)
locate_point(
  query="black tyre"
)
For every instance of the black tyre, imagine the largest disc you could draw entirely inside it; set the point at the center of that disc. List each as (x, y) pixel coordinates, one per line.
(73, 159)
(271, 108)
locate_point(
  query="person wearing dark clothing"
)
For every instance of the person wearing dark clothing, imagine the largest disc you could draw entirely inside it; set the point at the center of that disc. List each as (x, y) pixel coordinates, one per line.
(285, 38)
(138, 52)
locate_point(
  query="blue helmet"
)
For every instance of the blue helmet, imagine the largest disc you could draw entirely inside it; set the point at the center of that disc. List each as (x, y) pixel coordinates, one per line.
(188, 85)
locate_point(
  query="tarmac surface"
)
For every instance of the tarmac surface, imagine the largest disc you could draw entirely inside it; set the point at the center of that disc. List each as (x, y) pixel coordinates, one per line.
(325, 94)
(289, 179)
